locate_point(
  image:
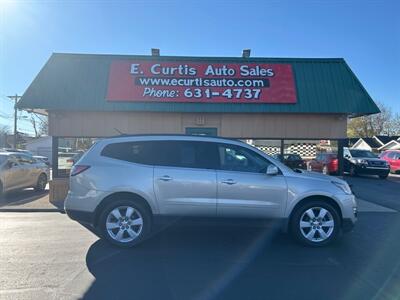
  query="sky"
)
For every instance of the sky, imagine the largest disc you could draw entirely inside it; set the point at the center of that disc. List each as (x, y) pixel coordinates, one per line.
(365, 33)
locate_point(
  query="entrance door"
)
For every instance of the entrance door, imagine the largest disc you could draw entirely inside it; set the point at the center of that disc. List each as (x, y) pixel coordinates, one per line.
(201, 131)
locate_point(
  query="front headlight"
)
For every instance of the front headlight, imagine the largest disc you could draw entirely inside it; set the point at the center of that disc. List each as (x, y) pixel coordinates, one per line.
(343, 186)
(361, 161)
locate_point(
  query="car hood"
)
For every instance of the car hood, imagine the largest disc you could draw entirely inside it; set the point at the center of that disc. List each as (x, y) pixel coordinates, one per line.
(369, 158)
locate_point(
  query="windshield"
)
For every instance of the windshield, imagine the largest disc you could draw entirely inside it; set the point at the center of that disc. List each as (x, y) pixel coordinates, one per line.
(362, 153)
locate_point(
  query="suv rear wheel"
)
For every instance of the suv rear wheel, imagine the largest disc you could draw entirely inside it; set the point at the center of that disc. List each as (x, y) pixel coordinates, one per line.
(125, 223)
(315, 223)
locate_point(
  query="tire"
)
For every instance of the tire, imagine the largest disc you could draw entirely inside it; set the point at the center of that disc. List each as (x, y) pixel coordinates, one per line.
(41, 183)
(309, 231)
(121, 232)
(352, 171)
(383, 176)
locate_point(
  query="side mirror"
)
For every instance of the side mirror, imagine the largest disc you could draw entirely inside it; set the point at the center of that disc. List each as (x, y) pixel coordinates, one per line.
(272, 170)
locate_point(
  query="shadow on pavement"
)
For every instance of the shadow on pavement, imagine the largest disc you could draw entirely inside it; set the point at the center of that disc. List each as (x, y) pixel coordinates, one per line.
(21, 197)
(236, 262)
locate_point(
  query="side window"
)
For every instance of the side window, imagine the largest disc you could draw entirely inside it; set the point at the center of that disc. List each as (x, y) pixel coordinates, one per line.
(184, 154)
(391, 155)
(235, 158)
(187, 154)
(22, 159)
(136, 152)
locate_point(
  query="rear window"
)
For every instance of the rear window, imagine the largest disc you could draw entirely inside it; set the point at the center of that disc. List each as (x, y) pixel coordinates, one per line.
(186, 154)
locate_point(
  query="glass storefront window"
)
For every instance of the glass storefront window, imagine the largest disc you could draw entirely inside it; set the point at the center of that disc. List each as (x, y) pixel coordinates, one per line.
(270, 147)
(70, 151)
(314, 155)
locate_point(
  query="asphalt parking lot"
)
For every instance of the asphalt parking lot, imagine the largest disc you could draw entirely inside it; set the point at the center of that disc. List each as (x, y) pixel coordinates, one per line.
(47, 256)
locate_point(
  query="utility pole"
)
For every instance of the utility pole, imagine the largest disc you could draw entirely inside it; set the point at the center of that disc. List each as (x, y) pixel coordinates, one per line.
(15, 98)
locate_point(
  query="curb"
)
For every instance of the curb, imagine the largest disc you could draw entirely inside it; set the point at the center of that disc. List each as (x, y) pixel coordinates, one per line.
(32, 210)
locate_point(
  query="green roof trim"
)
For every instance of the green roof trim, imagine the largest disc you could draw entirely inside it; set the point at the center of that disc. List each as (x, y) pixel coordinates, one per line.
(79, 82)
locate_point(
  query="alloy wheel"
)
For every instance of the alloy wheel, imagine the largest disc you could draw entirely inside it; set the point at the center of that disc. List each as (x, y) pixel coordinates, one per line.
(124, 224)
(316, 224)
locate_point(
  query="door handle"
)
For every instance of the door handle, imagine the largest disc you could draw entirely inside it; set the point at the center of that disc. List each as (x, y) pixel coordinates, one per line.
(229, 181)
(165, 178)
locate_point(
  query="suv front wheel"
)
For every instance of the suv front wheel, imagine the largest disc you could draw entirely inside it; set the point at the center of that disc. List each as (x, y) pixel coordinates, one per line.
(315, 223)
(125, 223)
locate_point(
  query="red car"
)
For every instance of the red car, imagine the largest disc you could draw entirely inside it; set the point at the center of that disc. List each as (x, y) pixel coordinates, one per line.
(326, 163)
(393, 159)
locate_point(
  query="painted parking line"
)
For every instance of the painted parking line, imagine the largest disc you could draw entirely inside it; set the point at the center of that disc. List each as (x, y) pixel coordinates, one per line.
(366, 206)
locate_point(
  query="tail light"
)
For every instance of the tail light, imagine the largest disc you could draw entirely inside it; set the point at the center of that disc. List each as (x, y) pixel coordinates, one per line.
(78, 169)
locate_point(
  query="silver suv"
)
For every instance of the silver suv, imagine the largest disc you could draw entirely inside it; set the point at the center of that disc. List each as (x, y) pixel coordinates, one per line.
(121, 184)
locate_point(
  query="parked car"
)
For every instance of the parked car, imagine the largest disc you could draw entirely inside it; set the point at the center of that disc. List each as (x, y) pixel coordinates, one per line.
(121, 184)
(392, 157)
(364, 162)
(42, 159)
(326, 163)
(27, 152)
(19, 171)
(293, 160)
(74, 159)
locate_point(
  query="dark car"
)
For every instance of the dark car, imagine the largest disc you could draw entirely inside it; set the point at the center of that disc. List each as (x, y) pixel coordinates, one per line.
(293, 160)
(359, 161)
(326, 163)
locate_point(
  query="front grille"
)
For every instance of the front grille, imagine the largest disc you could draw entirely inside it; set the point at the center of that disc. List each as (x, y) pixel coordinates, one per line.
(374, 163)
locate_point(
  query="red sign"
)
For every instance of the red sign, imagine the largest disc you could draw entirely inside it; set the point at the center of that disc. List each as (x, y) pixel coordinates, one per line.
(170, 81)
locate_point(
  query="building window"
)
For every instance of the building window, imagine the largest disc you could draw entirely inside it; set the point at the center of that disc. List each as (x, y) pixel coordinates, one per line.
(69, 151)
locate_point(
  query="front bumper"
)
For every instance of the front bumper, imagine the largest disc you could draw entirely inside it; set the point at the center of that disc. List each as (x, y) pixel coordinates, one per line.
(367, 170)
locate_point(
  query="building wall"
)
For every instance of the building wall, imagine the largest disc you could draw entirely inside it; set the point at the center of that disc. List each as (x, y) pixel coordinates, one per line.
(362, 146)
(41, 146)
(240, 125)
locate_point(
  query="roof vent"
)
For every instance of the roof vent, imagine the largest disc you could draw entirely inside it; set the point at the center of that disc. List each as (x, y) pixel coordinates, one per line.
(155, 52)
(246, 53)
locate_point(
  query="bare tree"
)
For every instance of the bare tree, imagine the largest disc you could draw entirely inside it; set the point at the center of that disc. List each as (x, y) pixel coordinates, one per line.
(4, 131)
(383, 123)
(39, 124)
(34, 125)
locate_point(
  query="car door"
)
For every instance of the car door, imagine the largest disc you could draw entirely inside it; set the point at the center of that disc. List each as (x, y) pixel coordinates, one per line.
(395, 161)
(315, 163)
(15, 173)
(185, 178)
(244, 189)
(29, 173)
